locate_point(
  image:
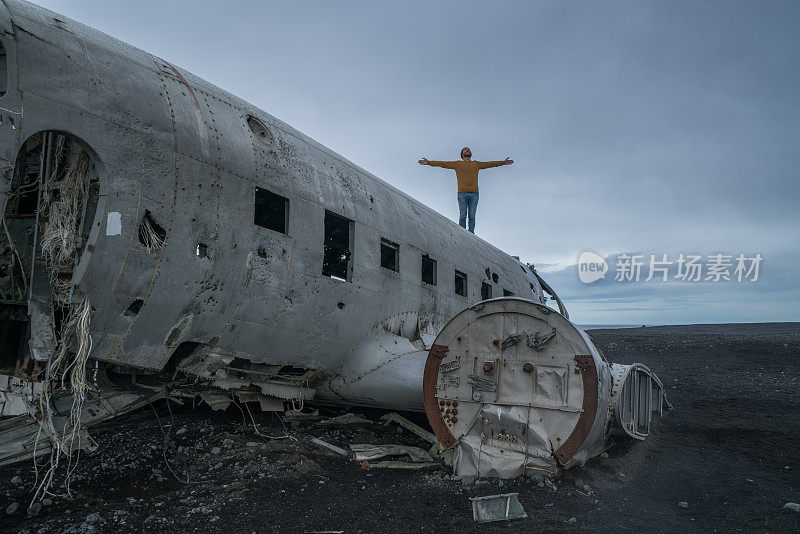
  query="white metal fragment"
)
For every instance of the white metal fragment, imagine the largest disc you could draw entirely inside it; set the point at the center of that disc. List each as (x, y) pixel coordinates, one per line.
(114, 223)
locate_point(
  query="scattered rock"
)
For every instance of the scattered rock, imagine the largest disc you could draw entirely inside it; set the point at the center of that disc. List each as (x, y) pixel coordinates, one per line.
(14, 506)
(216, 450)
(604, 455)
(180, 431)
(47, 502)
(791, 507)
(34, 509)
(17, 480)
(572, 520)
(683, 504)
(93, 518)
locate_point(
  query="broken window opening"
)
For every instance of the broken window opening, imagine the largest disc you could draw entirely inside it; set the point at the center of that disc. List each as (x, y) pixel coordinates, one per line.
(495, 278)
(151, 234)
(390, 255)
(201, 250)
(428, 270)
(13, 337)
(271, 211)
(461, 284)
(507, 293)
(337, 249)
(486, 291)
(134, 308)
(3, 71)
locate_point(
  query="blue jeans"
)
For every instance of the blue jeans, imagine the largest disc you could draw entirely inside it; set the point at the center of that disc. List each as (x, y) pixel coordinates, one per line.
(467, 203)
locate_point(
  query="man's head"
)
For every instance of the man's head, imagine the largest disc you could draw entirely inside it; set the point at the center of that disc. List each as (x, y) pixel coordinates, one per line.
(466, 153)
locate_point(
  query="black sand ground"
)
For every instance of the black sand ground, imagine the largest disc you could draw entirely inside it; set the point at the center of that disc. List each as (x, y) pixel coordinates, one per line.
(729, 450)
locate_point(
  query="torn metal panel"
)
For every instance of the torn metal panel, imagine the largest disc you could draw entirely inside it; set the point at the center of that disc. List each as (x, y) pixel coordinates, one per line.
(345, 419)
(395, 464)
(17, 394)
(22, 436)
(497, 508)
(373, 452)
(520, 408)
(334, 448)
(218, 401)
(408, 425)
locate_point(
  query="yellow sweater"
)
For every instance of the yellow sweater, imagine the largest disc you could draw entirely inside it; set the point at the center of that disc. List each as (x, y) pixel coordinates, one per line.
(466, 172)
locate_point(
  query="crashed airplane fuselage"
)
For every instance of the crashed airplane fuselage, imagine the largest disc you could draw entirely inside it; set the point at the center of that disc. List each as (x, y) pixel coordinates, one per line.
(160, 233)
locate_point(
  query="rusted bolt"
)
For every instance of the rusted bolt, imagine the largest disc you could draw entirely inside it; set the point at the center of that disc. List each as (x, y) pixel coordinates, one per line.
(454, 411)
(441, 408)
(488, 366)
(448, 403)
(528, 367)
(455, 403)
(496, 342)
(441, 403)
(454, 419)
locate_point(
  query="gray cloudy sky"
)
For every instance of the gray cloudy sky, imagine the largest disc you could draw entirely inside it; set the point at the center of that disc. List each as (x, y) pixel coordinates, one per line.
(650, 127)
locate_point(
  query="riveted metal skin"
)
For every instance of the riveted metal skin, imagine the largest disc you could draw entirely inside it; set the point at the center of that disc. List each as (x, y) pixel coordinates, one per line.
(522, 407)
(254, 310)
(192, 156)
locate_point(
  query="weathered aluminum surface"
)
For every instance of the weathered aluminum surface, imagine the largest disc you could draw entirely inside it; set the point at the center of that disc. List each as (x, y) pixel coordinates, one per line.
(519, 407)
(169, 143)
(253, 313)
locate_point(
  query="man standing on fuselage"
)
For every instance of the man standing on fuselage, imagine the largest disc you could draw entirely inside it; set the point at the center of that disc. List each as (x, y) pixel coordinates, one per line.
(467, 176)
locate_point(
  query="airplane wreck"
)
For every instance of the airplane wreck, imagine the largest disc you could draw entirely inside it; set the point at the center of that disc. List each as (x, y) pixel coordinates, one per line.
(161, 237)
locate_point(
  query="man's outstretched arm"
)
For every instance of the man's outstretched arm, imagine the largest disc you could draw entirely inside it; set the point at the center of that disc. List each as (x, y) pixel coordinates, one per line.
(443, 164)
(490, 164)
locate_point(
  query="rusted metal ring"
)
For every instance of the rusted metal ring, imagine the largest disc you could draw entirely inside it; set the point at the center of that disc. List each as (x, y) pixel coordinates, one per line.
(586, 419)
(429, 378)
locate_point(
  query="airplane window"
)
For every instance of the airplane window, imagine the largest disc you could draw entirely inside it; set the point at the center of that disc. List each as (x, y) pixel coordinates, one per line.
(260, 130)
(486, 291)
(271, 211)
(461, 284)
(3, 71)
(428, 270)
(337, 248)
(390, 253)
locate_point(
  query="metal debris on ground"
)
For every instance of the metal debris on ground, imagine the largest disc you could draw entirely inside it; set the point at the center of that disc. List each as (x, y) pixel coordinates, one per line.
(497, 508)
(294, 415)
(345, 419)
(395, 464)
(363, 451)
(411, 427)
(217, 401)
(328, 446)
